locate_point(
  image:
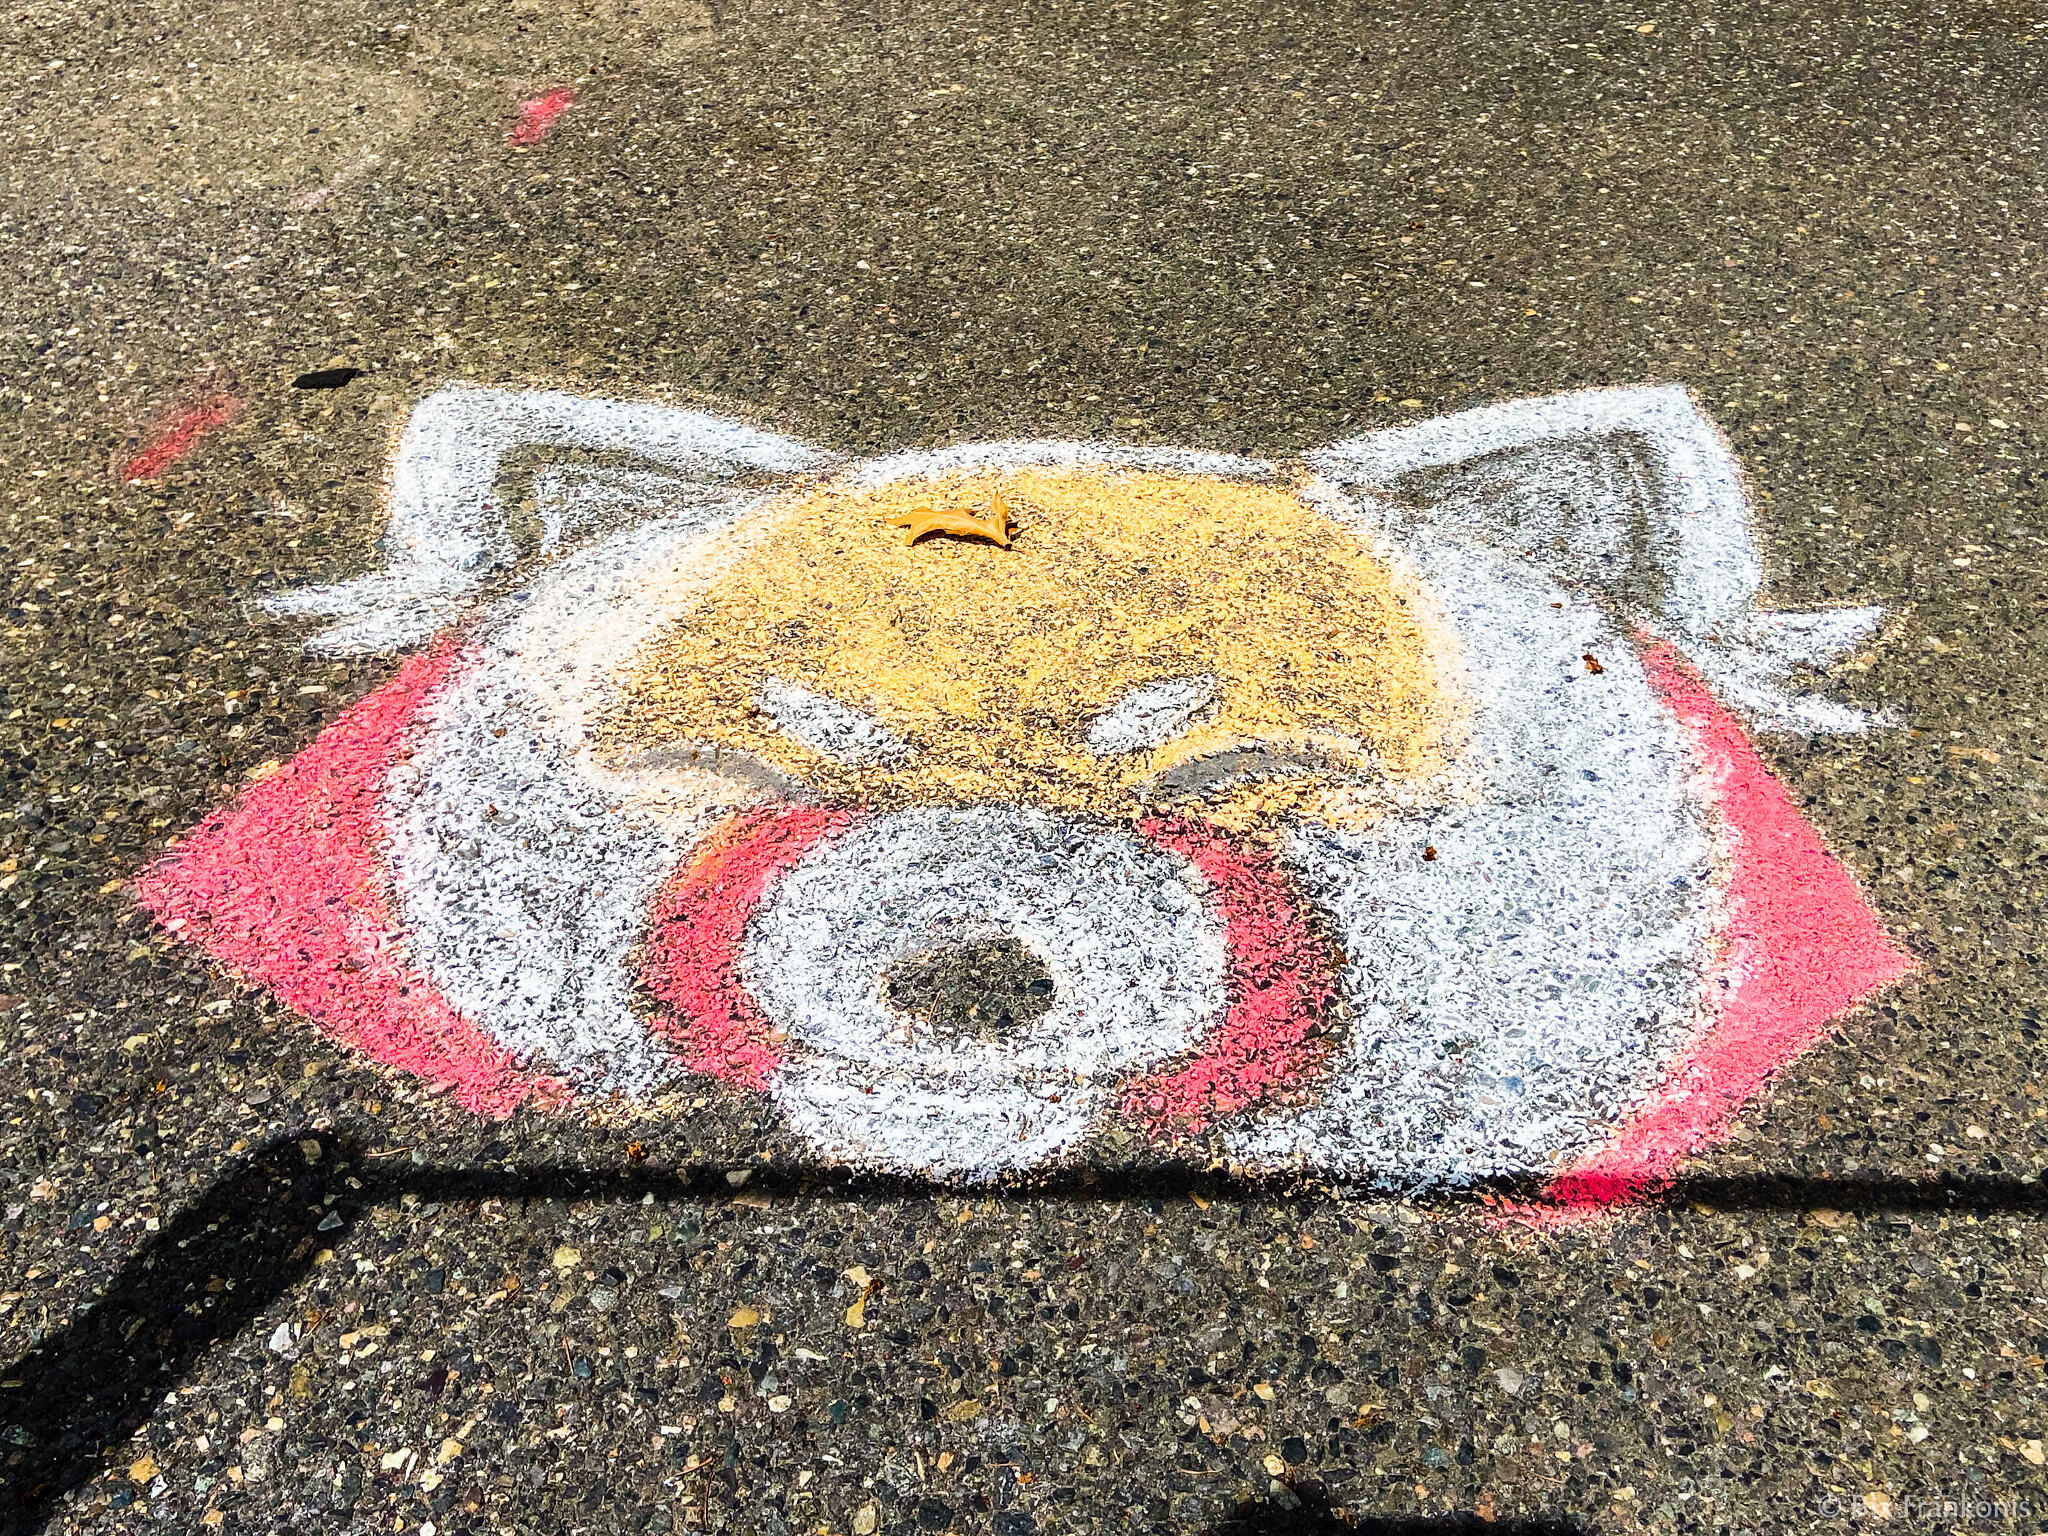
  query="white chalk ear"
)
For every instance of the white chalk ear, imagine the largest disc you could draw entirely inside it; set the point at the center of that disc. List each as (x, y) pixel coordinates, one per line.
(448, 529)
(1630, 495)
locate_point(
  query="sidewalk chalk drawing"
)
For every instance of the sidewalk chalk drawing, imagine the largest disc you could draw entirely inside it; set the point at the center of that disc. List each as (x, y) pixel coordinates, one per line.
(1389, 815)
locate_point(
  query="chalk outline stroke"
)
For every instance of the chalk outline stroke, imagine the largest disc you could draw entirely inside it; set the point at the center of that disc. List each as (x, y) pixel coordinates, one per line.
(1630, 495)
(1652, 470)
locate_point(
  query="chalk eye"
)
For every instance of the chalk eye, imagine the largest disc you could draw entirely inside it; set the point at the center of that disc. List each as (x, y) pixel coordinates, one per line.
(1236, 765)
(1254, 784)
(1149, 716)
(850, 737)
(706, 757)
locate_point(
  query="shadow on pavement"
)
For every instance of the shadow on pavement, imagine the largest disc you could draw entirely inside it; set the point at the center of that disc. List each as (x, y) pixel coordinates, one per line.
(75, 1399)
(1762, 1192)
(1309, 1512)
(73, 1402)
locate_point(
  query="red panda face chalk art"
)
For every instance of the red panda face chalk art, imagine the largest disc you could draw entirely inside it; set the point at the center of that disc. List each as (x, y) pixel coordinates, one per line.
(1388, 816)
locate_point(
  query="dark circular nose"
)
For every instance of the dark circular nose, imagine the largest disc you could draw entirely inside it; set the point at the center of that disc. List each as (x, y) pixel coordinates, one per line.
(979, 991)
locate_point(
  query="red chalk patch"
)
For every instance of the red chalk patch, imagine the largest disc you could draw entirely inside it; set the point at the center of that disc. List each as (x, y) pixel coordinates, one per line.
(178, 436)
(1279, 972)
(692, 957)
(537, 116)
(288, 888)
(1802, 947)
(1280, 976)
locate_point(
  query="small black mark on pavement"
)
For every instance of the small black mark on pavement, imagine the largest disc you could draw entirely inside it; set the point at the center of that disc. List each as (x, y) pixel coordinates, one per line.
(327, 378)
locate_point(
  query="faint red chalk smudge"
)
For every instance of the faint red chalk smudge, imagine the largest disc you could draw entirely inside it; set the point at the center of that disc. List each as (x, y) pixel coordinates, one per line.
(537, 116)
(180, 435)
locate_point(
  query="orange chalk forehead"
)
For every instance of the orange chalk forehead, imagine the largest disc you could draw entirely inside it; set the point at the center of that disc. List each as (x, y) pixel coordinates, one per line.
(985, 666)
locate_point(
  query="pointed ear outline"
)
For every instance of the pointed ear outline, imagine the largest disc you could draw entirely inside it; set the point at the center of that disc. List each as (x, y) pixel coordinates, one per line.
(1680, 477)
(446, 529)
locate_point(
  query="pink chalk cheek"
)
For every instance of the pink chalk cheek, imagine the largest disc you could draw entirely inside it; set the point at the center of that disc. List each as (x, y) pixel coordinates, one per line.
(1281, 980)
(1801, 947)
(698, 933)
(289, 888)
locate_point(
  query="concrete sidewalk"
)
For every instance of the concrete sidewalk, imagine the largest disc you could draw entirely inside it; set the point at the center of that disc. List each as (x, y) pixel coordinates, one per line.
(257, 1282)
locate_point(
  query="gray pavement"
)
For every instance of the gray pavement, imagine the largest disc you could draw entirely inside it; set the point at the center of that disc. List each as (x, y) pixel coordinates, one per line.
(1247, 228)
